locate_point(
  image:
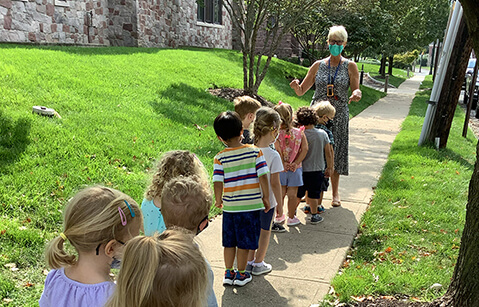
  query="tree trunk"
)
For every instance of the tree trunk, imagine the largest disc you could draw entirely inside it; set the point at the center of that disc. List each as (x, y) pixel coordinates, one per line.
(390, 65)
(451, 89)
(464, 288)
(382, 68)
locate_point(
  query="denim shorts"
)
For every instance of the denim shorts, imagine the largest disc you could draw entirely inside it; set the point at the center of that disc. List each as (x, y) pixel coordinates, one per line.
(241, 229)
(266, 219)
(315, 183)
(292, 179)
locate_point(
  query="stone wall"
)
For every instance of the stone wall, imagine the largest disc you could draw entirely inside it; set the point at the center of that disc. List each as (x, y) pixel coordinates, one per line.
(53, 21)
(123, 23)
(145, 23)
(172, 23)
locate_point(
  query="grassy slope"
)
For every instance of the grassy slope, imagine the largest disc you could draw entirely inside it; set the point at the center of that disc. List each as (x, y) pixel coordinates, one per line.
(121, 108)
(409, 237)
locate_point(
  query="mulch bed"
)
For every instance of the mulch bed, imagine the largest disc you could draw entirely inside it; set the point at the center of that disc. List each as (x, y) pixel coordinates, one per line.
(231, 93)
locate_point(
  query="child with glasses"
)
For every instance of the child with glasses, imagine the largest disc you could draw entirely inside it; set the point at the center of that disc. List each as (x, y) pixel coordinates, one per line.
(186, 203)
(266, 131)
(161, 270)
(315, 170)
(325, 112)
(97, 222)
(172, 164)
(292, 147)
(242, 190)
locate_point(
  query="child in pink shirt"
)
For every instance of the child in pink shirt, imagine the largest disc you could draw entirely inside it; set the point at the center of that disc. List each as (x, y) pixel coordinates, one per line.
(292, 147)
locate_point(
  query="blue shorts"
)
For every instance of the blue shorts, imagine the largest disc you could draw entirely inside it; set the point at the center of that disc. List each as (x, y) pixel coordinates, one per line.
(241, 229)
(266, 219)
(315, 183)
(292, 179)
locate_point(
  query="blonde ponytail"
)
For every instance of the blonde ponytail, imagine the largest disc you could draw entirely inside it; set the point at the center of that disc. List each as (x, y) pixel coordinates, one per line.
(266, 120)
(55, 255)
(93, 216)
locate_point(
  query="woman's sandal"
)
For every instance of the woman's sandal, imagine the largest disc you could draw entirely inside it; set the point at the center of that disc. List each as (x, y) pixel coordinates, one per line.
(336, 203)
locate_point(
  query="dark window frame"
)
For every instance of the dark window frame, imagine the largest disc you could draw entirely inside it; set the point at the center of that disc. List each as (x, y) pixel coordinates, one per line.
(210, 11)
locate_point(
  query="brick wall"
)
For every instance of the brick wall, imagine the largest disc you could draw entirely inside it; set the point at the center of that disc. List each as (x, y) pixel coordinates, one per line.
(145, 23)
(53, 21)
(172, 23)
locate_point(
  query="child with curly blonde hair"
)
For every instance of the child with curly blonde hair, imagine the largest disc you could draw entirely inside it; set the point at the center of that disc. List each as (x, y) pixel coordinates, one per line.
(97, 222)
(172, 164)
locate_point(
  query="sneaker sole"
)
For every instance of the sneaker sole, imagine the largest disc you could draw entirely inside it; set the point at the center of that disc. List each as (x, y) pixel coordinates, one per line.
(278, 231)
(241, 283)
(228, 282)
(293, 224)
(317, 222)
(260, 273)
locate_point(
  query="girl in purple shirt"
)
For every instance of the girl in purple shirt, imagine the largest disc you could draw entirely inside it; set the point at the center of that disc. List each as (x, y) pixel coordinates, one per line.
(98, 221)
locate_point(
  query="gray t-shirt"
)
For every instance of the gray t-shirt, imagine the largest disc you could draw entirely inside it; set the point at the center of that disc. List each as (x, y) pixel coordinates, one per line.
(314, 160)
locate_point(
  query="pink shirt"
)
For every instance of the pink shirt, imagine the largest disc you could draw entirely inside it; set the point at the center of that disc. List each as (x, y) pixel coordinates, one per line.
(289, 145)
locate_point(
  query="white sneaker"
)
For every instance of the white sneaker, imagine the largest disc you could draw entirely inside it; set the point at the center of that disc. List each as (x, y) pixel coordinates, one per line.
(261, 268)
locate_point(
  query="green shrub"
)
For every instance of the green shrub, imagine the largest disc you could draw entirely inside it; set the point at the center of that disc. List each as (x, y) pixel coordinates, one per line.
(405, 60)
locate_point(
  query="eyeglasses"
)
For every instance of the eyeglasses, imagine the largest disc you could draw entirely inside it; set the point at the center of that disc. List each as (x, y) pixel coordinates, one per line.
(198, 230)
(98, 247)
(335, 42)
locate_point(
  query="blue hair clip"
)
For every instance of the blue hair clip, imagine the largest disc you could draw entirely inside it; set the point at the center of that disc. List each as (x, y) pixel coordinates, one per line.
(129, 208)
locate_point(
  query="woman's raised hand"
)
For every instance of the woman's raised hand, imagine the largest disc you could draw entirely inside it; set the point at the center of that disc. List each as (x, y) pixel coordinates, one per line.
(294, 84)
(356, 96)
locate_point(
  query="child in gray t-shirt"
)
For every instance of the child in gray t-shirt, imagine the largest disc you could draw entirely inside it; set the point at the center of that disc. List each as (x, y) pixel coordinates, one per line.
(315, 171)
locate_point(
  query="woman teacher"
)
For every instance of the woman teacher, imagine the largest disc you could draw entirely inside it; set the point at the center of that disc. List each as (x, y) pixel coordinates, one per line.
(333, 76)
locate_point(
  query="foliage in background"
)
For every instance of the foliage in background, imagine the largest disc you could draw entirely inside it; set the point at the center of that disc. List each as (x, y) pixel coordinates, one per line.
(405, 60)
(275, 18)
(409, 238)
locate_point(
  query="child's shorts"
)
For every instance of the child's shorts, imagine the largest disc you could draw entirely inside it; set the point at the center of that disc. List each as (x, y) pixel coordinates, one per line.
(241, 229)
(314, 183)
(266, 219)
(292, 179)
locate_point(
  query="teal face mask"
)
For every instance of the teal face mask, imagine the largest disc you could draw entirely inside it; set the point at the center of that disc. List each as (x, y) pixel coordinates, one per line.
(336, 49)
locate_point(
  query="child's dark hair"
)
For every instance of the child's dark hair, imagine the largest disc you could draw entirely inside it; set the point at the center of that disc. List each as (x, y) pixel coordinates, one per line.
(306, 116)
(228, 125)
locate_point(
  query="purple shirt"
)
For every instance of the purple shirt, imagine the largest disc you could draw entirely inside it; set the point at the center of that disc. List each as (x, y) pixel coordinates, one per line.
(62, 291)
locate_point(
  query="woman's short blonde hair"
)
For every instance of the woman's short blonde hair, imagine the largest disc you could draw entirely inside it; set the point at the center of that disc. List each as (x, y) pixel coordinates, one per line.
(95, 215)
(164, 271)
(324, 108)
(339, 32)
(173, 164)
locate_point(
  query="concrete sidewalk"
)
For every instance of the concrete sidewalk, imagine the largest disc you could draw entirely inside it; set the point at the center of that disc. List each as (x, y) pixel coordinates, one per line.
(307, 257)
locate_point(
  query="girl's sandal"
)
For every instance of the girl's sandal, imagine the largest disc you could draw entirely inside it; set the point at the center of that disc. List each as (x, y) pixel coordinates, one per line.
(336, 203)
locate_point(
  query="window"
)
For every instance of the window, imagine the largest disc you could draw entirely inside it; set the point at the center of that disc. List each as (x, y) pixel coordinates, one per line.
(210, 11)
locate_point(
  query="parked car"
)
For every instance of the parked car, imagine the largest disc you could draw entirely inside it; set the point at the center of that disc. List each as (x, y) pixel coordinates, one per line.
(467, 86)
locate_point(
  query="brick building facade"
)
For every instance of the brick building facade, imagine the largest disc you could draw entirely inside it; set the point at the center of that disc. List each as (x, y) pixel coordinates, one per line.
(143, 23)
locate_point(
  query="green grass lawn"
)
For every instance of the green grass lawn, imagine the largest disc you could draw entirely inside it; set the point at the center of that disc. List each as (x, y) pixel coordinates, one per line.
(427, 83)
(121, 108)
(398, 76)
(409, 238)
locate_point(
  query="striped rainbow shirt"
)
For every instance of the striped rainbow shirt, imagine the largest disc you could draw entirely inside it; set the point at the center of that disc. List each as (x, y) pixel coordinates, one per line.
(239, 169)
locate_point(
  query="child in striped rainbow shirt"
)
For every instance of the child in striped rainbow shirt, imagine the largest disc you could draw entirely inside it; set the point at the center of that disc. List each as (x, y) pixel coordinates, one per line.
(242, 190)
